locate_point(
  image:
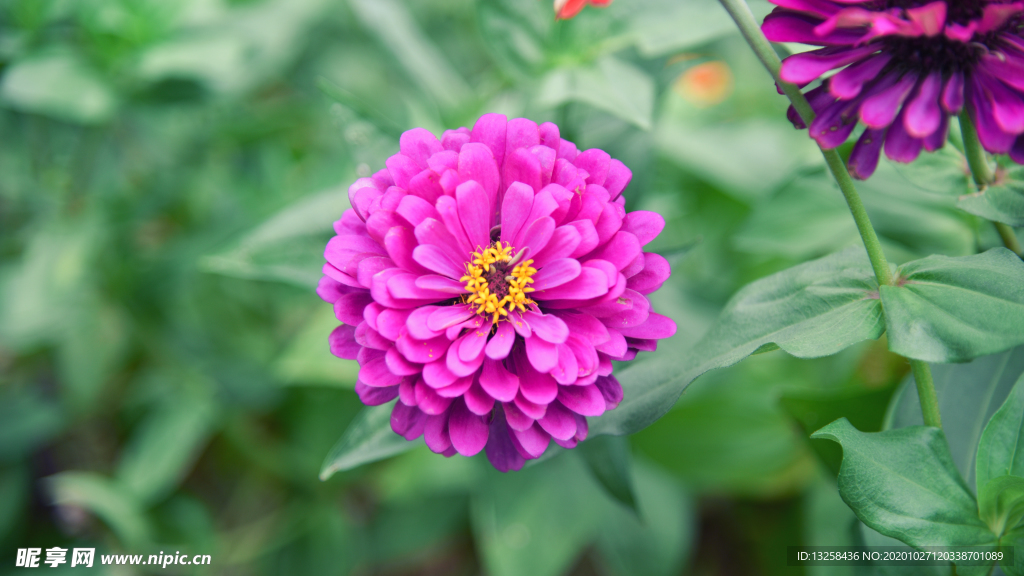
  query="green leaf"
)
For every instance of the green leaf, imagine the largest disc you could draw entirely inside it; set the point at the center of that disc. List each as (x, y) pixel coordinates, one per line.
(58, 85)
(537, 520)
(903, 484)
(107, 500)
(424, 63)
(1015, 539)
(288, 247)
(164, 446)
(659, 541)
(27, 421)
(613, 85)
(664, 27)
(1001, 503)
(815, 309)
(1001, 202)
(368, 438)
(1001, 447)
(956, 309)
(307, 360)
(517, 34)
(15, 496)
(609, 462)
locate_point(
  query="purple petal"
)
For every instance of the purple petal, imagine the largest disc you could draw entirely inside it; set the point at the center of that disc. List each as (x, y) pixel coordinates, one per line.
(618, 178)
(448, 207)
(611, 390)
(456, 388)
(425, 186)
(447, 316)
(435, 433)
(953, 93)
(407, 421)
(556, 273)
(433, 258)
(879, 110)
(656, 270)
(596, 162)
(501, 452)
(522, 166)
(656, 327)
(437, 375)
(567, 370)
(536, 235)
(644, 225)
(515, 208)
(415, 210)
(547, 326)
(922, 115)
(343, 342)
(419, 145)
(543, 355)
(397, 364)
(476, 162)
(349, 307)
(375, 396)
(807, 66)
(559, 422)
(478, 401)
(501, 342)
(517, 419)
(864, 157)
(376, 373)
(531, 410)
(467, 430)
(429, 401)
(471, 346)
(475, 213)
(848, 82)
(402, 169)
(591, 283)
(458, 366)
(564, 241)
(423, 351)
(531, 442)
(490, 130)
(899, 145)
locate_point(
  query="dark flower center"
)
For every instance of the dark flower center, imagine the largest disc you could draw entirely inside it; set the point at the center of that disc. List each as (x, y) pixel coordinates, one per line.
(957, 11)
(923, 54)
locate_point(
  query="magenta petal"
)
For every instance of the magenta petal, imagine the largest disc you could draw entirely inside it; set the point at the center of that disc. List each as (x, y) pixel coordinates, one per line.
(498, 382)
(471, 346)
(656, 327)
(611, 390)
(532, 442)
(490, 130)
(583, 400)
(879, 110)
(644, 225)
(402, 169)
(591, 283)
(376, 373)
(435, 433)
(419, 145)
(922, 115)
(443, 284)
(535, 236)
(899, 145)
(522, 166)
(397, 364)
(542, 355)
(456, 388)
(425, 186)
(501, 342)
(848, 82)
(468, 431)
(530, 409)
(429, 401)
(478, 401)
(556, 273)
(559, 422)
(618, 178)
(407, 421)
(547, 326)
(536, 387)
(445, 317)
(656, 271)
(596, 162)
(375, 396)
(437, 375)
(807, 66)
(517, 419)
(515, 208)
(564, 241)
(458, 366)
(501, 451)
(476, 162)
(343, 342)
(953, 93)
(433, 258)
(475, 213)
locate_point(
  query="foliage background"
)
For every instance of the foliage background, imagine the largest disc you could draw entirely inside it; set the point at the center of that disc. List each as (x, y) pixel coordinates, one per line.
(168, 176)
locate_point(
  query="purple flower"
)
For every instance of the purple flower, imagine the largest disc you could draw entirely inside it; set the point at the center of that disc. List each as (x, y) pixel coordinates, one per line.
(488, 280)
(906, 67)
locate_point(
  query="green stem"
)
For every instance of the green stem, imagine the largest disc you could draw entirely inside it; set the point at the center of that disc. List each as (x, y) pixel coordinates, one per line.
(1009, 238)
(748, 26)
(740, 13)
(974, 152)
(926, 393)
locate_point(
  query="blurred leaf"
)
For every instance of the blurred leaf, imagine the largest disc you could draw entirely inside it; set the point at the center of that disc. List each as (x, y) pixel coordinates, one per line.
(163, 448)
(956, 309)
(815, 309)
(517, 34)
(538, 520)
(872, 538)
(969, 395)
(828, 521)
(422, 61)
(93, 339)
(27, 421)
(1001, 503)
(288, 247)
(1015, 539)
(663, 26)
(658, 543)
(368, 438)
(107, 500)
(609, 462)
(611, 84)
(1002, 202)
(1001, 447)
(771, 152)
(729, 437)
(415, 525)
(58, 84)
(903, 483)
(14, 497)
(308, 358)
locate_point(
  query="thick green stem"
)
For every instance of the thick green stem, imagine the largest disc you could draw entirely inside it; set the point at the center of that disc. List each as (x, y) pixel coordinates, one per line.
(1009, 238)
(748, 26)
(974, 152)
(926, 393)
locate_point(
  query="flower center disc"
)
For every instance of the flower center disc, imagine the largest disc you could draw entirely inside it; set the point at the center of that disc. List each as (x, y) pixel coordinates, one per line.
(498, 282)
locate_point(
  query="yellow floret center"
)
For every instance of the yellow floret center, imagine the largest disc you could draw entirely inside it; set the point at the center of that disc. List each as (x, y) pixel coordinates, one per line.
(496, 282)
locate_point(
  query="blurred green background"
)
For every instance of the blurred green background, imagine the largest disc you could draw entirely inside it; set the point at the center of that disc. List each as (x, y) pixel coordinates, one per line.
(169, 172)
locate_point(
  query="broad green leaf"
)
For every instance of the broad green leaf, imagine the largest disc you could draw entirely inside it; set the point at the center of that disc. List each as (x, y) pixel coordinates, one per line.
(815, 309)
(368, 438)
(58, 85)
(955, 309)
(422, 61)
(611, 84)
(288, 247)
(828, 521)
(308, 360)
(538, 520)
(969, 394)
(1000, 202)
(1001, 503)
(609, 461)
(164, 446)
(107, 500)
(659, 542)
(1015, 539)
(1001, 447)
(903, 484)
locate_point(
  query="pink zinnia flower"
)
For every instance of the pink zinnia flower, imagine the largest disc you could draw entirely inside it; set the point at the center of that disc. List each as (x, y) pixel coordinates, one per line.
(488, 280)
(565, 9)
(906, 67)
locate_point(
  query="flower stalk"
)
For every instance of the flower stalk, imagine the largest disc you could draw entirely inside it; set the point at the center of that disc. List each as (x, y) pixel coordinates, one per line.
(978, 164)
(751, 31)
